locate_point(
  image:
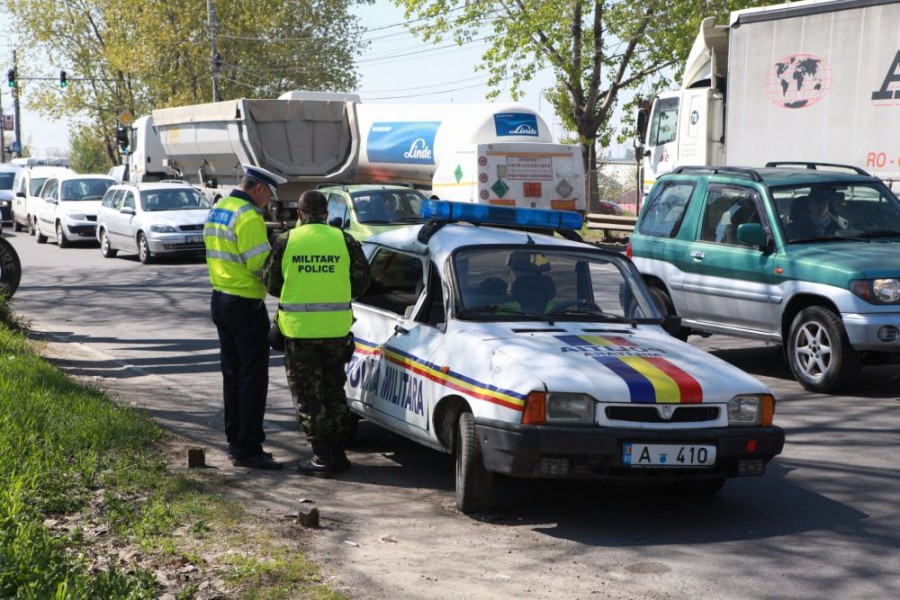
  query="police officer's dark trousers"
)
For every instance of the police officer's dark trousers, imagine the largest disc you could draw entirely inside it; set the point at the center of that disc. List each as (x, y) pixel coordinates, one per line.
(243, 326)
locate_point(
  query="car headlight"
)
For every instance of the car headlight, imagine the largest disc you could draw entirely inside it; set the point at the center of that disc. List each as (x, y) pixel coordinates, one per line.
(751, 409)
(877, 291)
(558, 408)
(163, 229)
(77, 217)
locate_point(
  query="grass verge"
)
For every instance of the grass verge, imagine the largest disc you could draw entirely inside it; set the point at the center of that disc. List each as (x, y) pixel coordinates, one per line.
(89, 507)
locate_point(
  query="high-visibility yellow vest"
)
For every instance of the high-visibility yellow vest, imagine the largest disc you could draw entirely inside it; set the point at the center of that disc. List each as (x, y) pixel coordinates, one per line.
(237, 245)
(315, 297)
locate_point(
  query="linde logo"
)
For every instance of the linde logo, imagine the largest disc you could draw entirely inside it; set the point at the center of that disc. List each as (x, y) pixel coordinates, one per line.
(523, 129)
(418, 150)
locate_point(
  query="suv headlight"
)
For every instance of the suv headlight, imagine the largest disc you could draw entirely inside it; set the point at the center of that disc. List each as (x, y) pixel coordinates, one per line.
(751, 409)
(163, 229)
(877, 291)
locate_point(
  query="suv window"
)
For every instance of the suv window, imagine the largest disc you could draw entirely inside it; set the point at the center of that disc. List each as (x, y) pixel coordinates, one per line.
(665, 209)
(726, 208)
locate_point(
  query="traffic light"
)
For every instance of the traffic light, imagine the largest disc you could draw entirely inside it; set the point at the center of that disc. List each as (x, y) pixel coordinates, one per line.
(122, 139)
(11, 77)
(63, 82)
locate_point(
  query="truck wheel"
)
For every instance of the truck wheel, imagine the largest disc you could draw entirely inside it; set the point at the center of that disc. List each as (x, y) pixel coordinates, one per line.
(664, 302)
(106, 248)
(819, 352)
(144, 249)
(473, 481)
(39, 237)
(61, 240)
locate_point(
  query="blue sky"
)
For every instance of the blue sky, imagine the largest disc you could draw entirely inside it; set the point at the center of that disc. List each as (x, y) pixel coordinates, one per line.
(397, 68)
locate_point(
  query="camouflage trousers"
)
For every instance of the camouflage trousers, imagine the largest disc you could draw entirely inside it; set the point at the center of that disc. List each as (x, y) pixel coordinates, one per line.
(316, 374)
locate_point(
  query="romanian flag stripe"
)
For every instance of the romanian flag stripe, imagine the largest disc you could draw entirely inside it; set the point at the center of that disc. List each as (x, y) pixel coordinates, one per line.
(650, 379)
(450, 379)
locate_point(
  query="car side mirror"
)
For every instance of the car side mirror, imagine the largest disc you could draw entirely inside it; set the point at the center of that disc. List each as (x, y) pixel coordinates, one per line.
(127, 210)
(672, 325)
(20, 194)
(752, 234)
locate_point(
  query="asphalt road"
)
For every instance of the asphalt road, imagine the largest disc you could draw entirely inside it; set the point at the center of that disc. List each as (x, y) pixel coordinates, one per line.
(822, 523)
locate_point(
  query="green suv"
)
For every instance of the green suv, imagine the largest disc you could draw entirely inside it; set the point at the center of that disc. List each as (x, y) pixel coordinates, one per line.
(364, 210)
(803, 254)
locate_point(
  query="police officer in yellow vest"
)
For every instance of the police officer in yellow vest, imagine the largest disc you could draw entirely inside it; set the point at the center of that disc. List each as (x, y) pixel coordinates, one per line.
(316, 270)
(237, 246)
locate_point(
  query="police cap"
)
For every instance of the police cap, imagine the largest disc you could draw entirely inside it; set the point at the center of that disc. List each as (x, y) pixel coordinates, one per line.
(263, 176)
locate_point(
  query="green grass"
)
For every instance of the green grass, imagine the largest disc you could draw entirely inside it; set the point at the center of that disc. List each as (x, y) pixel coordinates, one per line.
(83, 480)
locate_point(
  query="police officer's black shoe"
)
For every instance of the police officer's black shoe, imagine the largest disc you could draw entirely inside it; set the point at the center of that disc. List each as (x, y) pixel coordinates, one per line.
(261, 460)
(320, 464)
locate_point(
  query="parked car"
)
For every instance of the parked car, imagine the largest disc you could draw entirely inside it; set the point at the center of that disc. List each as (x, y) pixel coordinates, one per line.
(365, 210)
(534, 356)
(27, 186)
(7, 177)
(68, 206)
(737, 251)
(152, 219)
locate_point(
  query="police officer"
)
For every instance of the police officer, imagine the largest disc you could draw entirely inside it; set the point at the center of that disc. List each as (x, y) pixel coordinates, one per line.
(236, 249)
(316, 270)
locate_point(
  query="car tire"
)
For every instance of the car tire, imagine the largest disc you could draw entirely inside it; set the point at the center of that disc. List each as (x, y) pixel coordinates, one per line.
(61, 240)
(17, 227)
(819, 351)
(664, 302)
(106, 248)
(32, 225)
(39, 237)
(473, 481)
(144, 250)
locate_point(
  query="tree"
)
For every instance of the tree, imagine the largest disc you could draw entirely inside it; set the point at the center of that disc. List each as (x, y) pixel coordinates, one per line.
(88, 152)
(599, 50)
(143, 54)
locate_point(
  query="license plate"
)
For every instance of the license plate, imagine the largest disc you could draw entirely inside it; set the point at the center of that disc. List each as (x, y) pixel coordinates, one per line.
(667, 455)
(193, 239)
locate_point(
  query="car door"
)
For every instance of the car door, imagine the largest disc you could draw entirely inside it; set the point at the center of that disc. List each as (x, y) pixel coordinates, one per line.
(387, 373)
(728, 282)
(46, 207)
(126, 220)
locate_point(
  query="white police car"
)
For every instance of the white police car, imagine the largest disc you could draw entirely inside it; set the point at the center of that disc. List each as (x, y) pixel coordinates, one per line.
(535, 356)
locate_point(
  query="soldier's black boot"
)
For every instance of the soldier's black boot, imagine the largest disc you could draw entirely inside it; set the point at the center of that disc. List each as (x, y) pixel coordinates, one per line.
(339, 460)
(320, 465)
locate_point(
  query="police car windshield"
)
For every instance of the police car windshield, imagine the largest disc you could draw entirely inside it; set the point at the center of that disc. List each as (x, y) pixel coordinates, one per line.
(523, 283)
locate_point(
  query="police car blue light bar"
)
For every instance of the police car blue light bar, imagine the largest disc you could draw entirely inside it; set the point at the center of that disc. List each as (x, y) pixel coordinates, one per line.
(486, 214)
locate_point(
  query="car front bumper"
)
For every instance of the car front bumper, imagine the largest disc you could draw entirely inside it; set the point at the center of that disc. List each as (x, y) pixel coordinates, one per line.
(596, 452)
(81, 229)
(175, 243)
(862, 331)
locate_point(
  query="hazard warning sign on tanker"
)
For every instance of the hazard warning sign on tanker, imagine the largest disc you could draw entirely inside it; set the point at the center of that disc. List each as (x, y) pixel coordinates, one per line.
(531, 168)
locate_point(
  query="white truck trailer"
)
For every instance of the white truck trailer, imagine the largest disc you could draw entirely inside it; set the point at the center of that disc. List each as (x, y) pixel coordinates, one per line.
(809, 81)
(487, 153)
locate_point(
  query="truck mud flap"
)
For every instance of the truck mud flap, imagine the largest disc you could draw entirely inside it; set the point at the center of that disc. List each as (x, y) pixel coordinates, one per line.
(10, 269)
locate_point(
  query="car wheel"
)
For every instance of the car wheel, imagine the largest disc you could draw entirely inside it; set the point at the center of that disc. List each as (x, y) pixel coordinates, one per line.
(664, 302)
(106, 248)
(473, 481)
(61, 240)
(143, 249)
(32, 225)
(39, 237)
(819, 352)
(17, 227)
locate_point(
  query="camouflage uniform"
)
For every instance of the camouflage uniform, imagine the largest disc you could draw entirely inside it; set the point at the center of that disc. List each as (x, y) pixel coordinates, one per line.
(316, 367)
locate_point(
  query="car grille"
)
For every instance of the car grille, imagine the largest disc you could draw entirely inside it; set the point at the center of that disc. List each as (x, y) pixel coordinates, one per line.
(650, 414)
(92, 218)
(191, 227)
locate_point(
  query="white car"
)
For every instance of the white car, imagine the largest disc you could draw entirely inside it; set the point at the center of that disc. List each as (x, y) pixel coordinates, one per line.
(535, 356)
(26, 189)
(67, 210)
(152, 219)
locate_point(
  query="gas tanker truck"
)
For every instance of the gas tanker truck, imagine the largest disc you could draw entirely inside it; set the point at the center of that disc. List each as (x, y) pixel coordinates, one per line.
(492, 153)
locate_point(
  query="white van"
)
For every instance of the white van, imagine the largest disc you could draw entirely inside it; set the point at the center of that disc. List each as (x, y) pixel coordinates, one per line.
(26, 187)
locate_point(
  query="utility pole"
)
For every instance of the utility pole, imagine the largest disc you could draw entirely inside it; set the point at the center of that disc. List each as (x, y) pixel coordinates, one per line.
(17, 114)
(2, 130)
(216, 61)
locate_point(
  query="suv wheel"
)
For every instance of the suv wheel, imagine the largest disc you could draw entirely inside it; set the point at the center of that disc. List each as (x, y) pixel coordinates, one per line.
(819, 352)
(664, 302)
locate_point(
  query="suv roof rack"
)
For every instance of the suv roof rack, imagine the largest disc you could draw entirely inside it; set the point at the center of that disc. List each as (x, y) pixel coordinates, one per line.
(815, 166)
(742, 171)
